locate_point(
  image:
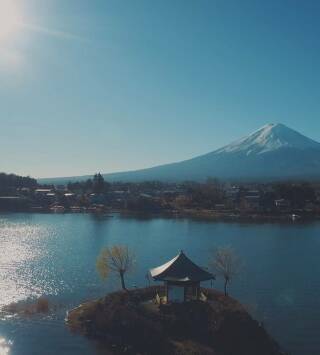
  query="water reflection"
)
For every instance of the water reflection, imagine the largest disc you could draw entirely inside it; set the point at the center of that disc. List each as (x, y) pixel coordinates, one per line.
(4, 346)
(55, 255)
(22, 245)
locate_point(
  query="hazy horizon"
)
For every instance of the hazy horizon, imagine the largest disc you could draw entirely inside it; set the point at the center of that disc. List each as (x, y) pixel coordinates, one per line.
(114, 86)
(147, 167)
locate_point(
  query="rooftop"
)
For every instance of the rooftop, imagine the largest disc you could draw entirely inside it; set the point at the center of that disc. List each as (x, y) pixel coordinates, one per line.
(180, 269)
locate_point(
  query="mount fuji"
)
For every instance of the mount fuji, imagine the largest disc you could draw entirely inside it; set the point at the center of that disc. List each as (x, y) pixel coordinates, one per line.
(274, 152)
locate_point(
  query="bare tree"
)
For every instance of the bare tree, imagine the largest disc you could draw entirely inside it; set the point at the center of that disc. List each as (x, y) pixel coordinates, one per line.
(225, 263)
(117, 259)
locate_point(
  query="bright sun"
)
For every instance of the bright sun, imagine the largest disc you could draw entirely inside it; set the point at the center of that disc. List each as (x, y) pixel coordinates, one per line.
(10, 18)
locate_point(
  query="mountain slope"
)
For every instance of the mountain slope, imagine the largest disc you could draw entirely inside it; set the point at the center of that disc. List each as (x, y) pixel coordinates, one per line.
(272, 152)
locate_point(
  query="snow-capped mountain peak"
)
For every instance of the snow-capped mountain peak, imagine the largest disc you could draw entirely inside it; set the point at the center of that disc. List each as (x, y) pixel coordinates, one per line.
(273, 152)
(269, 138)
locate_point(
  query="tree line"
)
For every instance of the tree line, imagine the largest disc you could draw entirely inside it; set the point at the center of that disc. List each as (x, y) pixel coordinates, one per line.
(11, 182)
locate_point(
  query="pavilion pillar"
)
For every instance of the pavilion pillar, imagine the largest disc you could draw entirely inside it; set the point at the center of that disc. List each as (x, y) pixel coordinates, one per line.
(166, 290)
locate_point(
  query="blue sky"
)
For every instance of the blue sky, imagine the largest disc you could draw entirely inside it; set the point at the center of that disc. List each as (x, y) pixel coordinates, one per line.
(102, 85)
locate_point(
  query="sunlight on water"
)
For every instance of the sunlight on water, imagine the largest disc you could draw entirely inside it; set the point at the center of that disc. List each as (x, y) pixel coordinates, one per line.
(21, 243)
(55, 256)
(4, 346)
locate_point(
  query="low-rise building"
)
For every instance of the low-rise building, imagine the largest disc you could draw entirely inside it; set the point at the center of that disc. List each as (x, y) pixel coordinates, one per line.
(282, 204)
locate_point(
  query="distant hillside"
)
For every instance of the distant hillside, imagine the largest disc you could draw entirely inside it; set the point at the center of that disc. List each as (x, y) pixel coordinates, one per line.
(273, 152)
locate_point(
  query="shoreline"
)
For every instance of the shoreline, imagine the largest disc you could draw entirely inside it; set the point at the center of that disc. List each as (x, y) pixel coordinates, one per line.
(198, 215)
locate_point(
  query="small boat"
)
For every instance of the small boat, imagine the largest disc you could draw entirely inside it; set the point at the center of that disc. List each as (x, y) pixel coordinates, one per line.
(75, 209)
(57, 209)
(295, 217)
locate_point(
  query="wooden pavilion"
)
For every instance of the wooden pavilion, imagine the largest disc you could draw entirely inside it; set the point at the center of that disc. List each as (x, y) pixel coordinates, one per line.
(182, 278)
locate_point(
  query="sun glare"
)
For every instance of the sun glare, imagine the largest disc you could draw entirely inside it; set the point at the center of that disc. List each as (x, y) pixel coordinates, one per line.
(4, 347)
(10, 18)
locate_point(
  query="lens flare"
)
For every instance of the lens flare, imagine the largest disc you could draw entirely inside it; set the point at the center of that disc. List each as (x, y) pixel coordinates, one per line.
(10, 19)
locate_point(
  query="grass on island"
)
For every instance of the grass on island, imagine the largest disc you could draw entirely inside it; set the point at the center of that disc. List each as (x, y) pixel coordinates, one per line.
(125, 323)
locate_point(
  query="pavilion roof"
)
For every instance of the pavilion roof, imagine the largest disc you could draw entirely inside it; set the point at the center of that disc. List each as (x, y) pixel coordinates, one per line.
(180, 269)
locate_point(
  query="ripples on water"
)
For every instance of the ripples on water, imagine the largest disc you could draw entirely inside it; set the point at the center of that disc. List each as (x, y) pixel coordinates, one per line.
(23, 248)
(18, 241)
(54, 255)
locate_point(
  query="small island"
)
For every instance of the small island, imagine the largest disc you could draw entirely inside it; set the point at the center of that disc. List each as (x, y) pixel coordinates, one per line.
(179, 317)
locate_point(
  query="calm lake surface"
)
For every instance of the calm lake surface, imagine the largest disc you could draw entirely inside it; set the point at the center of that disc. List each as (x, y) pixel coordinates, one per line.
(54, 255)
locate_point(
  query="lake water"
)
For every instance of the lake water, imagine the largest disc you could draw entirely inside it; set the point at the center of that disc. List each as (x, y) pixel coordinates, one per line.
(54, 255)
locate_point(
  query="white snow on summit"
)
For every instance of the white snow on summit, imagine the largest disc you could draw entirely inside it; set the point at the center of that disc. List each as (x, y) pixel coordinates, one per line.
(269, 138)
